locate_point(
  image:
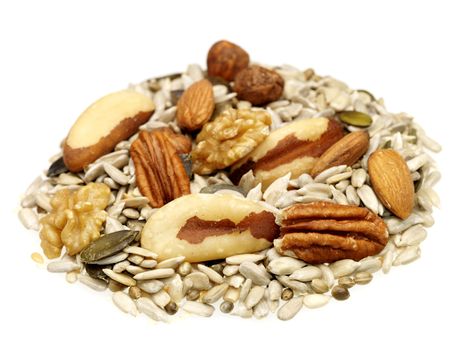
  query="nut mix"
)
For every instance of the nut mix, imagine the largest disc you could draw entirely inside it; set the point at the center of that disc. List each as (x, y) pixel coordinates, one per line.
(289, 203)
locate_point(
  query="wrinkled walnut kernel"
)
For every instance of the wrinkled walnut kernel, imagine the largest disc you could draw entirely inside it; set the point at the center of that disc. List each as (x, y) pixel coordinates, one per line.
(230, 137)
(75, 220)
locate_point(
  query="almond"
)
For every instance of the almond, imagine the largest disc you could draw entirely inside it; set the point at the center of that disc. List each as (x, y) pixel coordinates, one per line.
(391, 181)
(195, 106)
(346, 151)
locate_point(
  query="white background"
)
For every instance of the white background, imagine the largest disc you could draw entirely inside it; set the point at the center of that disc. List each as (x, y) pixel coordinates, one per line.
(57, 57)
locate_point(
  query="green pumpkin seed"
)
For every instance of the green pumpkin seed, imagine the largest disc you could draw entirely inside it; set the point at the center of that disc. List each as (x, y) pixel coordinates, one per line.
(355, 118)
(95, 271)
(107, 245)
(368, 95)
(218, 187)
(56, 168)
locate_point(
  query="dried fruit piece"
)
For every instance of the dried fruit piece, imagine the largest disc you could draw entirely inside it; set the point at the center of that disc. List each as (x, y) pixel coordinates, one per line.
(209, 226)
(107, 245)
(109, 120)
(392, 182)
(195, 106)
(258, 85)
(293, 148)
(322, 232)
(225, 60)
(228, 138)
(346, 151)
(160, 173)
(75, 220)
(355, 118)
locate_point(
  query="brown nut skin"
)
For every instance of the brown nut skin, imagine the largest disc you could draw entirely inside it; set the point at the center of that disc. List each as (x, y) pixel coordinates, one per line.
(225, 60)
(258, 85)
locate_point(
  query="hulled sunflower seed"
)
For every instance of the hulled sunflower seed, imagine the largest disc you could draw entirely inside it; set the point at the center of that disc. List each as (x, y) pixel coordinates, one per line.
(215, 293)
(154, 274)
(358, 177)
(43, 201)
(147, 307)
(62, 266)
(252, 271)
(120, 277)
(285, 265)
(199, 309)
(149, 264)
(125, 303)
(113, 259)
(274, 290)
(135, 292)
(328, 275)
(232, 295)
(93, 283)
(245, 289)
(161, 298)
(238, 259)
(407, 255)
(323, 176)
(370, 264)
(29, 219)
(134, 270)
(261, 309)
(116, 174)
(314, 301)
(236, 280)
(71, 277)
(296, 286)
(230, 270)
(363, 277)
(140, 251)
(346, 281)
(172, 263)
(200, 280)
(344, 267)
(352, 196)
(254, 296)
(290, 309)
(319, 286)
(212, 275)
(368, 198)
(413, 236)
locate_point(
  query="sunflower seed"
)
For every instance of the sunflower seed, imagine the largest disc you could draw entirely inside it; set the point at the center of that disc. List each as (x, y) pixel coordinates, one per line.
(323, 176)
(338, 196)
(230, 270)
(93, 283)
(154, 274)
(113, 225)
(121, 266)
(285, 265)
(342, 185)
(290, 309)
(148, 263)
(199, 309)
(407, 255)
(368, 198)
(125, 303)
(212, 275)
(314, 301)
(276, 189)
(150, 286)
(236, 280)
(328, 275)
(135, 259)
(363, 277)
(298, 287)
(352, 196)
(254, 296)
(344, 267)
(272, 254)
(140, 251)
(120, 277)
(338, 177)
(161, 298)
(215, 293)
(306, 274)
(387, 260)
(116, 174)
(370, 264)
(252, 271)
(319, 286)
(71, 277)
(200, 280)
(130, 213)
(37, 258)
(62, 266)
(113, 259)
(29, 201)
(171, 262)
(416, 163)
(232, 295)
(238, 259)
(29, 219)
(413, 236)
(274, 290)
(147, 307)
(255, 194)
(358, 177)
(245, 289)
(43, 201)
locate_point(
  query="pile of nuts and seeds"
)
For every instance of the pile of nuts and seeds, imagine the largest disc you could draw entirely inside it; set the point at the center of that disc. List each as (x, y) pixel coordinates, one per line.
(257, 189)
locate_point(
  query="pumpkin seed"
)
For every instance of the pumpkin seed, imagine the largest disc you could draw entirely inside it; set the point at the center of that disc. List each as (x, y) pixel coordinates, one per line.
(107, 245)
(56, 168)
(355, 118)
(95, 271)
(187, 164)
(219, 187)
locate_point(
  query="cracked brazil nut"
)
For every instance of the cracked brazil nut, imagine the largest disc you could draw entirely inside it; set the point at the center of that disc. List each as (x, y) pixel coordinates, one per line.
(109, 120)
(209, 226)
(293, 148)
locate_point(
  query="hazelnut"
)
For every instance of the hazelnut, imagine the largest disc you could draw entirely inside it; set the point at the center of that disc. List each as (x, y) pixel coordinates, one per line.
(225, 60)
(258, 85)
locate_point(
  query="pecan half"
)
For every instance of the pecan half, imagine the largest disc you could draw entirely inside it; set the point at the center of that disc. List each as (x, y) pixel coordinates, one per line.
(322, 232)
(160, 174)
